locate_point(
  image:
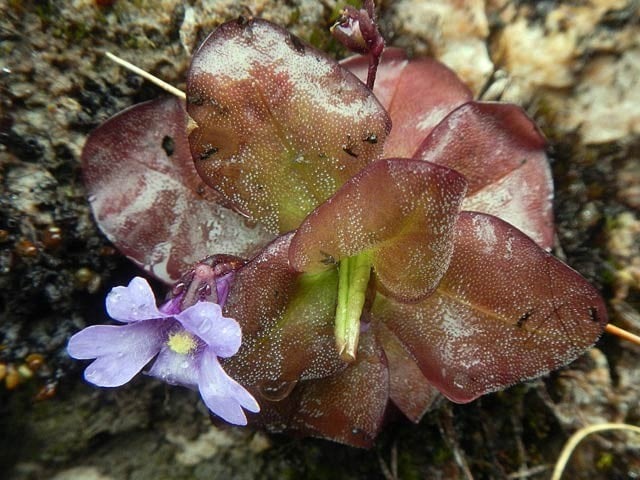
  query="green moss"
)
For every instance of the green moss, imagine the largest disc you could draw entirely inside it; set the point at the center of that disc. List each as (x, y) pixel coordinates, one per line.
(442, 455)
(5, 49)
(605, 462)
(335, 13)
(45, 11)
(72, 32)
(608, 275)
(318, 38)
(408, 469)
(294, 17)
(323, 40)
(137, 41)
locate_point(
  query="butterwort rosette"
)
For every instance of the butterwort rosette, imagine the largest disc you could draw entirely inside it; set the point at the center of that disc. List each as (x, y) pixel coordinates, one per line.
(185, 342)
(396, 294)
(397, 237)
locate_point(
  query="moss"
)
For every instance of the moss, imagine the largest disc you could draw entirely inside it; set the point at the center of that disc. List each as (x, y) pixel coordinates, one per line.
(442, 455)
(137, 40)
(335, 13)
(46, 11)
(294, 17)
(605, 461)
(72, 32)
(317, 38)
(321, 39)
(409, 469)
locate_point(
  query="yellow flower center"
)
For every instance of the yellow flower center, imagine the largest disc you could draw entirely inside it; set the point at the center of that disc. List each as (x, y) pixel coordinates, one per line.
(182, 342)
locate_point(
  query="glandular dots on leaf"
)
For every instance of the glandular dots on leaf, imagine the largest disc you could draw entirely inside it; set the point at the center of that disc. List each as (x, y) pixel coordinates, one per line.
(287, 122)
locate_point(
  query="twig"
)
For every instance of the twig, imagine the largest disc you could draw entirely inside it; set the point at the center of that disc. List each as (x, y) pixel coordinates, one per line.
(619, 332)
(445, 423)
(529, 472)
(390, 472)
(578, 436)
(160, 83)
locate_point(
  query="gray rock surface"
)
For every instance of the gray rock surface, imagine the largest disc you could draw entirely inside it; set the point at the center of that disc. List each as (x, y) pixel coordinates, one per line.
(573, 65)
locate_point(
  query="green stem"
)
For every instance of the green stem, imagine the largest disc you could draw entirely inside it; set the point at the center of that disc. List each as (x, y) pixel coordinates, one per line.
(354, 273)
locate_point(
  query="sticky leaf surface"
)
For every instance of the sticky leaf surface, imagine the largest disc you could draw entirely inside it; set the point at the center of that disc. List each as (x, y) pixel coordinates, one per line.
(287, 322)
(401, 211)
(409, 389)
(347, 407)
(501, 153)
(148, 199)
(418, 94)
(280, 126)
(504, 312)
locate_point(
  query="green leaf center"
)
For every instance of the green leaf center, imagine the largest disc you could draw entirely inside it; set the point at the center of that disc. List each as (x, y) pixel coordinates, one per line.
(354, 274)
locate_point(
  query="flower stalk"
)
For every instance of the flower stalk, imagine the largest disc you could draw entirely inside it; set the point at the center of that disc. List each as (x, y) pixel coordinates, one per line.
(353, 279)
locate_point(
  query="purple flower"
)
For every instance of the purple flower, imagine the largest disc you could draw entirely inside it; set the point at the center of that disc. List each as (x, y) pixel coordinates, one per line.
(186, 345)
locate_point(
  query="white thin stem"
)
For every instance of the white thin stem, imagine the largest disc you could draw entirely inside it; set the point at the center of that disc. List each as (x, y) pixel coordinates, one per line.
(161, 83)
(577, 437)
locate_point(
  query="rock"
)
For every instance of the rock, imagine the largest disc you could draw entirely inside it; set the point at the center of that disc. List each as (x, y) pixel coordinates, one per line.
(573, 65)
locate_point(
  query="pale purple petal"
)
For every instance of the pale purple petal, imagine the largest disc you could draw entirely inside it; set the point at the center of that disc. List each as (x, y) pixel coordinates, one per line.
(222, 394)
(120, 351)
(172, 306)
(175, 368)
(205, 320)
(133, 303)
(222, 287)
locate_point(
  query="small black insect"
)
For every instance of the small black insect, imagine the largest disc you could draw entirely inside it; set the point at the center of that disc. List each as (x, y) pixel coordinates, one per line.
(348, 148)
(328, 259)
(168, 145)
(195, 99)
(372, 139)
(349, 152)
(208, 151)
(525, 316)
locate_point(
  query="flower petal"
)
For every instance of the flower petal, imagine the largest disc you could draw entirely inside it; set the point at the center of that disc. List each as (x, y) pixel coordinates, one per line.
(120, 351)
(175, 368)
(223, 284)
(205, 320)
(222, 394)
(133, 303)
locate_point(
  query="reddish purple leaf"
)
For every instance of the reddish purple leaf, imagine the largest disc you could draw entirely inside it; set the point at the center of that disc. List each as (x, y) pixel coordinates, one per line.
(401, 211)
(347, 407)
(496, 145)
(505, 311)
(501, 153)
(409, 390)
(280, 125)
(147, 198)
(287, 321)
(256, 308)
(418, 94)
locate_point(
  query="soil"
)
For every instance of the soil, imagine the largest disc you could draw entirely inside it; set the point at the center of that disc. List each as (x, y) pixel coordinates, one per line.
(575, 67)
